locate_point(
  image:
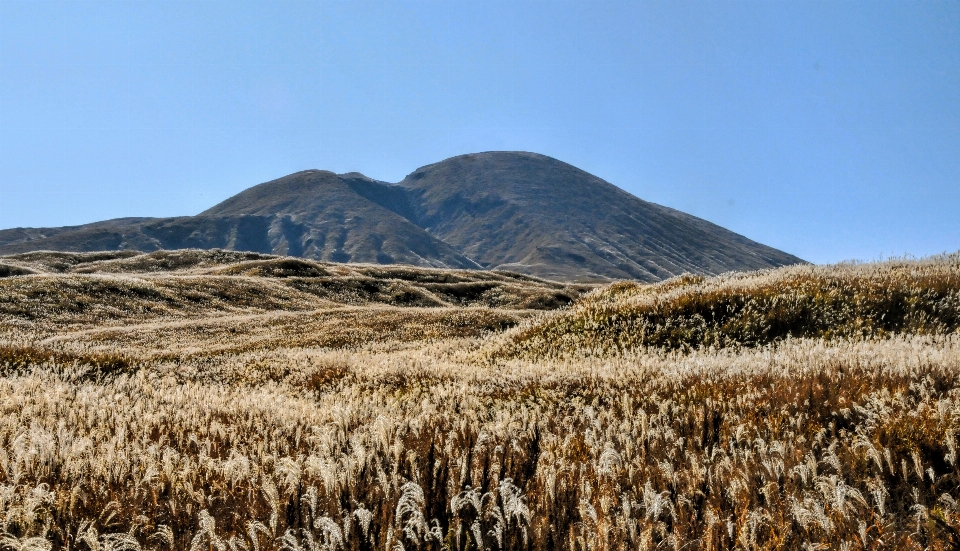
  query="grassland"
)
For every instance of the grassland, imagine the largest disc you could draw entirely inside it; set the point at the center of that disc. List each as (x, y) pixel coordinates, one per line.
(193, 400)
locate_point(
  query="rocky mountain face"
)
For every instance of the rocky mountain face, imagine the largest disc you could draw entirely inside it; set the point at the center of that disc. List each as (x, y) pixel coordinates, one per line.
(520, 212)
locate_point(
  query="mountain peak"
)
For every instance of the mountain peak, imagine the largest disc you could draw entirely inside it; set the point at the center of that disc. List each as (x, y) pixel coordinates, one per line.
(509, 210)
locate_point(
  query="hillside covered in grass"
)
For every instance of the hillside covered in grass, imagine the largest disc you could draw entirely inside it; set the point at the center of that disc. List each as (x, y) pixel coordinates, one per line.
(121, 306)
(115, 287)
(918, 297)
(190, 401)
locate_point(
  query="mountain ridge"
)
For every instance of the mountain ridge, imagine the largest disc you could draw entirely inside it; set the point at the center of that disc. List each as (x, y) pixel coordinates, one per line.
(515, 211)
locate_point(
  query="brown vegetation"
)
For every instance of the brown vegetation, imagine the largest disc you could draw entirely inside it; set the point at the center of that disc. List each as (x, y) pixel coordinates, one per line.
(755, 308)
(255, 427)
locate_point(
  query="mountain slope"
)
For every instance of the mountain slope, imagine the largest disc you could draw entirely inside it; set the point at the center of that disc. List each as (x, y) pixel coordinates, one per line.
(313, 214)
(534, 214)
(320, 215)
(521, 212)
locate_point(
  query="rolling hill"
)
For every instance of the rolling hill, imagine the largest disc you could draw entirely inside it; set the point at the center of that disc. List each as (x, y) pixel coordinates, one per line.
(513, 211)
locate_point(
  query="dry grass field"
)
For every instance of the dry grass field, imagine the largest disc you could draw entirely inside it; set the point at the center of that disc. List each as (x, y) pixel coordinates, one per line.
(226, 401)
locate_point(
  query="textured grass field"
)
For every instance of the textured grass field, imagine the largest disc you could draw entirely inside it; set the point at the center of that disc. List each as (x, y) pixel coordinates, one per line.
(193, 401)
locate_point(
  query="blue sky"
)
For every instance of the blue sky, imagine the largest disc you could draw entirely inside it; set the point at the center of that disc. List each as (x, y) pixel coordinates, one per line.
(830, 130)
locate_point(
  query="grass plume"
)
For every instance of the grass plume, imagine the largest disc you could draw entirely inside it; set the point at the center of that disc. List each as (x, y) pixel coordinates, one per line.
(255, 426)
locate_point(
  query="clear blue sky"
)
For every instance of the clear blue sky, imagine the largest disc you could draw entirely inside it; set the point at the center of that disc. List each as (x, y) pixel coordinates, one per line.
(830, 130)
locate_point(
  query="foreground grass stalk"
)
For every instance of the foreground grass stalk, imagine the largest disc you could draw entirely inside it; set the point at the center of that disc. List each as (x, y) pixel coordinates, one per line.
(765, 449)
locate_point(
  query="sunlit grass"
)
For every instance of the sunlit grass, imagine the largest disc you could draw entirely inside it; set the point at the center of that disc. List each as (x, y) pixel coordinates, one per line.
(755, 308)
(257, 428)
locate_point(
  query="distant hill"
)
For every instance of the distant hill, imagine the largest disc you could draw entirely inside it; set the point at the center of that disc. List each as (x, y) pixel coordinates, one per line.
(520, 212)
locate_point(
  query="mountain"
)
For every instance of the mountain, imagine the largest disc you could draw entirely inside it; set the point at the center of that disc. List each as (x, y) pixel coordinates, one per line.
(313, 214)
(521, 212)
(530, 213)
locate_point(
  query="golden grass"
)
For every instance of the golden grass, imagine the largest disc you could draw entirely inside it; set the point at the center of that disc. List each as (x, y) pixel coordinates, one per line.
(97, 290)
(377, 426)
(755, 308)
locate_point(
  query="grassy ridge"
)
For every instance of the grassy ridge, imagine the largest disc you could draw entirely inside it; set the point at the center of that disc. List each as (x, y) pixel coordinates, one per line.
(100, 289)
(751, 309)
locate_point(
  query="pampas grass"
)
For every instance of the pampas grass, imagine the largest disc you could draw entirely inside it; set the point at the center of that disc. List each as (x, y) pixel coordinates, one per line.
(252, 430)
